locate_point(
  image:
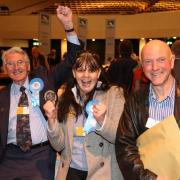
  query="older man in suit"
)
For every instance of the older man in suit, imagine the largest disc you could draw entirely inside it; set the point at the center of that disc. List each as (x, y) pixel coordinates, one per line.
(32, 158)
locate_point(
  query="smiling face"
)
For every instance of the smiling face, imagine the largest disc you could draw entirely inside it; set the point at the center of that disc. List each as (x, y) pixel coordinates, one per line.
(17, 67)
(157, 62)
(86, 71)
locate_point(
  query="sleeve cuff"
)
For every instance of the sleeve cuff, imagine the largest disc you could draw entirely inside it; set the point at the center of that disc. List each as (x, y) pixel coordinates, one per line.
(99, 128)
(73, 39)
(52, 130)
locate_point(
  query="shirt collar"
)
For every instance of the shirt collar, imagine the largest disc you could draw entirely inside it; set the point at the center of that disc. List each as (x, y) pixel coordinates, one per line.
(170, 95)
(74, 90)
(16, 87)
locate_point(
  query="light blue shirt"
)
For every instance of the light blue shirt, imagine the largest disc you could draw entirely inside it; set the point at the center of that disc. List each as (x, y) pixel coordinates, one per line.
(38, 124)
(73, 39)
(78, 152)
(159, 110)
(79, 160)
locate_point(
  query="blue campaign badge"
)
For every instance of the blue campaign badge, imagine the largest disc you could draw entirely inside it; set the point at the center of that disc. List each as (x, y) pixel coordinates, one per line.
(91, 122)
(36, 85)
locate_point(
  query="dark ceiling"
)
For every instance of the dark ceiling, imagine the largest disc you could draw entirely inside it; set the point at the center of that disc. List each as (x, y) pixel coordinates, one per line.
(92, 7)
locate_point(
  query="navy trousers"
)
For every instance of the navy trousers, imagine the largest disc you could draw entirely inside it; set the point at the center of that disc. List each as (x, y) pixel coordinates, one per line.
(36, 164)
(75, 174)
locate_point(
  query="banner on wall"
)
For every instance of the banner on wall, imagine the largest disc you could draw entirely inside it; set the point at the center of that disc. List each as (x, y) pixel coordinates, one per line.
(110, 39)
(44, 33)
(82, 29)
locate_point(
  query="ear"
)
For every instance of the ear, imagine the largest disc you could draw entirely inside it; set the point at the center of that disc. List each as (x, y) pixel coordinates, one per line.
(29, 67)
(172, 61)
(4, 68)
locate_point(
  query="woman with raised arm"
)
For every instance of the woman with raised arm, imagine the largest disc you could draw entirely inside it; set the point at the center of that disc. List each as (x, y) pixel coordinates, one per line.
(82, 127)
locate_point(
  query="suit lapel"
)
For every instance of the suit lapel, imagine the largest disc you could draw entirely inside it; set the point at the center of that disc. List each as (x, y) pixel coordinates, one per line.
(4, 111)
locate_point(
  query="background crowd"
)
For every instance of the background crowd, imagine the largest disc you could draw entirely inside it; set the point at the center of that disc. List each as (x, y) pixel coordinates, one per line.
(95, 123)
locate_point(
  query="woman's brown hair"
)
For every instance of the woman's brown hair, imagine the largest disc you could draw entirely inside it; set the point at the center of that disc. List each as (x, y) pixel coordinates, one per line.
(67, 100)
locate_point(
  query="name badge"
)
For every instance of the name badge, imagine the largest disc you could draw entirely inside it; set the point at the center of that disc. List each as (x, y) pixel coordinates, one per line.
(22, 110)
(79, 132)
(151, 122)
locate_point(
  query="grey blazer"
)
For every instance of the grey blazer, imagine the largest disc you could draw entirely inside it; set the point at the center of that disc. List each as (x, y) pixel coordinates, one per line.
(99, 145)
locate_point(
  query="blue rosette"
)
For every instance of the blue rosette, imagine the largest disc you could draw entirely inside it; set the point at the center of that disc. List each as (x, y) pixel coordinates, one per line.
(36, 85)
(91, 122)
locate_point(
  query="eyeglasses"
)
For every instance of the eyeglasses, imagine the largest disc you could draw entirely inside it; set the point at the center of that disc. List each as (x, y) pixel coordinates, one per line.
(18, 63)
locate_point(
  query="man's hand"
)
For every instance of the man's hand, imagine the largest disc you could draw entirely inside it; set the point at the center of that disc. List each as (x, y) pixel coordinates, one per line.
(64, 15)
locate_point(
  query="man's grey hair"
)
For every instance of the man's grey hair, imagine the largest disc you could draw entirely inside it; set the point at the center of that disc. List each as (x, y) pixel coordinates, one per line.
(14, 50)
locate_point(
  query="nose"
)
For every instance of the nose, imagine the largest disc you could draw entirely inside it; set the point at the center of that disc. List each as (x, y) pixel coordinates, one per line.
(86, 73)
(154, 65)
(15, 66)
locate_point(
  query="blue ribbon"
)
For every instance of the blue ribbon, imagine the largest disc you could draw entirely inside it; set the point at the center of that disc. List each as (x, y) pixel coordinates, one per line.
(36, 85)
(91, 123)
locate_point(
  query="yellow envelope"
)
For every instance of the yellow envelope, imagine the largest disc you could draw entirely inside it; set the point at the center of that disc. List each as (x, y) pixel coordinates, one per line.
(159, 149)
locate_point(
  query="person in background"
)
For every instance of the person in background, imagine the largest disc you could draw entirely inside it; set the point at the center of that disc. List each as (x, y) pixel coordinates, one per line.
(52, 59)
(1, 63)
(87, 152)
(146, 105)
(108, 63)
(140, 81)
(176, 51)
(121, 71)
(25, 152)
(37, 59)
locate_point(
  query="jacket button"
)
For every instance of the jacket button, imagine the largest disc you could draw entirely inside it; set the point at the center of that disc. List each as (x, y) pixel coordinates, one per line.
(101, 144)
(102, 164)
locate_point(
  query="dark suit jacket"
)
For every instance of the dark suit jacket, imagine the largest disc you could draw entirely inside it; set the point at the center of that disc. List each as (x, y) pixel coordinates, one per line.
(52, 81)
(121, 72)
